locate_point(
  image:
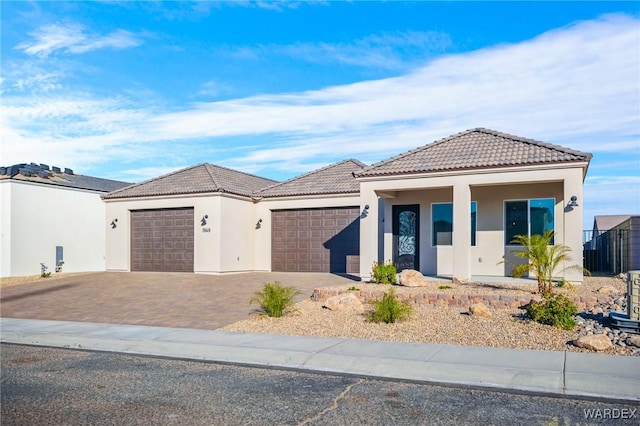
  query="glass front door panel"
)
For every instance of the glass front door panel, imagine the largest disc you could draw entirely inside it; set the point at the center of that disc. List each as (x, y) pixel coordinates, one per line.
(405, 236)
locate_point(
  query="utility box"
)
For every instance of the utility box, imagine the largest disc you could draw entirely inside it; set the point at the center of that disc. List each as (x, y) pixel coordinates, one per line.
(633, 295)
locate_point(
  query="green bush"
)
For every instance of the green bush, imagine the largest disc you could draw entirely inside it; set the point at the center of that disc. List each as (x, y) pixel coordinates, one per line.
(556, 310)
(444, 287)
(353, 288)
(274, 299)
(384, 273)
(390, 309)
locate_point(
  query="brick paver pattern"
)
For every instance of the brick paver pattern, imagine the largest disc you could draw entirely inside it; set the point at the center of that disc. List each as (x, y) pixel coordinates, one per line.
(148, 298)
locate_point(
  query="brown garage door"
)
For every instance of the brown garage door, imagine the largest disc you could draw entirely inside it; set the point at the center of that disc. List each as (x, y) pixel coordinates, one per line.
(162, 240)
(316, 240)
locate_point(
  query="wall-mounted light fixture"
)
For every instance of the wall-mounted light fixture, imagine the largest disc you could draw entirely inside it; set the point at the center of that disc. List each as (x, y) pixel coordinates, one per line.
(114, 223)
(573, 202)
(259, 224)
(203, 221)
(365, 211)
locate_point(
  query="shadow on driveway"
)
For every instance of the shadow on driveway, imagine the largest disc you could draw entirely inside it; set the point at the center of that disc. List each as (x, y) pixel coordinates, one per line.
(151, 298)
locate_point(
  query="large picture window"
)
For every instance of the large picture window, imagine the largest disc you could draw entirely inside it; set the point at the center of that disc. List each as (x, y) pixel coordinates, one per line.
(528, 217)
(442, 224)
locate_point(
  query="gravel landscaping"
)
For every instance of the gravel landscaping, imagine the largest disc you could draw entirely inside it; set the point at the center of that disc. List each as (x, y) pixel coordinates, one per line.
(450, 324)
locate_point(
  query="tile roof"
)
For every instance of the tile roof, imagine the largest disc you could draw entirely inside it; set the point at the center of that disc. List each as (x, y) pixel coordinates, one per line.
(201, 178)
(42, 173)
(606, 222)
(475, 149)
(336, 178)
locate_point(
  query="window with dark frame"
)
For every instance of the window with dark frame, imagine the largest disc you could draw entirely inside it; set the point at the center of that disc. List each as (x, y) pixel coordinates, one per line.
(528, 217)
(442, 223)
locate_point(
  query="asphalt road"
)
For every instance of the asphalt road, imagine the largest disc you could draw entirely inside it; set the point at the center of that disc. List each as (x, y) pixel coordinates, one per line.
(59, 386)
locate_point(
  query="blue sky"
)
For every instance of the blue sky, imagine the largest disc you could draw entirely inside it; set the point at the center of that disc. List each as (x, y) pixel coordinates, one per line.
(130, 91)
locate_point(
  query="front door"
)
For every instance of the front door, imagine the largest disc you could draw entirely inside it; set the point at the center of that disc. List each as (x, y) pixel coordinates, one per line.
(406, 220)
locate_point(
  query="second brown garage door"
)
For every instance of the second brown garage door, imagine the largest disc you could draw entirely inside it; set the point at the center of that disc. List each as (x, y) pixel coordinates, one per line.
(162, 240)
(316, 240)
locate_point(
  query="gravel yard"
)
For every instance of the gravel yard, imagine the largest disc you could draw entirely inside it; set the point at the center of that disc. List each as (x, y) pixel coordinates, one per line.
(507, 328)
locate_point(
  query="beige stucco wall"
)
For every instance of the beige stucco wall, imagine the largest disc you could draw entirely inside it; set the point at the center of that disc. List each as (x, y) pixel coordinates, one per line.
(233, 244)
(215, 251)
(489, 189)
(237, 235)
(35, 218)
(263, 210)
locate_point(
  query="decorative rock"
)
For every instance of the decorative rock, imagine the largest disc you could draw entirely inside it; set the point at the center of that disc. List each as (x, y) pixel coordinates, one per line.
(596, 342)
(607, 289)
(412, 278)
(480, 310)
(633, 341)
(343, 301)
(457, 280)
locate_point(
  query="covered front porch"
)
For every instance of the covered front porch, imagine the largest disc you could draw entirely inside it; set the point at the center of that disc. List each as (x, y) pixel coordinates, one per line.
(461, 226)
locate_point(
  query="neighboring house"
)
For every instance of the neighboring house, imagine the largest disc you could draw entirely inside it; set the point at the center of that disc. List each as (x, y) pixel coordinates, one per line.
(614, 244)
(449, 208)
(51, 216)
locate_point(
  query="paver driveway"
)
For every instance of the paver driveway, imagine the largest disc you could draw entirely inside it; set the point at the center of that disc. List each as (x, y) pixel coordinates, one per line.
(147, 298)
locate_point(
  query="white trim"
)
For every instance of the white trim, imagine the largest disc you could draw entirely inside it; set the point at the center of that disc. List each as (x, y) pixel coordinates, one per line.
(54, 186)
(497, 170)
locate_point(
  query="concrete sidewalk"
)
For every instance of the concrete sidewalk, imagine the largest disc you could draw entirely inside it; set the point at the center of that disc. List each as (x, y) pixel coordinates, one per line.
(541, 372)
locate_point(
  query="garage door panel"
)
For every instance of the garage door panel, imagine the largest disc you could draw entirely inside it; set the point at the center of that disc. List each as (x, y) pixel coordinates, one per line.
(314, 240)
(162, 240)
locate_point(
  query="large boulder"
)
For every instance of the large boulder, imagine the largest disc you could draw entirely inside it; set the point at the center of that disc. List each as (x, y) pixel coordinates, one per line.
(480, 310)
(594, 342)
(633, 341)
(412, 278)
(342, 302)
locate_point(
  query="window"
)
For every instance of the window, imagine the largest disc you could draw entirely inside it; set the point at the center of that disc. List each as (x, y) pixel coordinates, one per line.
(528, 217)
(442, 224)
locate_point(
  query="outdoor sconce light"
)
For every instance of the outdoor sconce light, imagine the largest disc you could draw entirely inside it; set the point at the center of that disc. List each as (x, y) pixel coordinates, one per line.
(365, 211)
(573, 202)
(259, 224)
(203, 221)
(114, 223)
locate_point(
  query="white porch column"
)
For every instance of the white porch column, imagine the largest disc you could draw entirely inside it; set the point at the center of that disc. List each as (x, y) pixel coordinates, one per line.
(369, 232)
(572, 222)
(461, 232)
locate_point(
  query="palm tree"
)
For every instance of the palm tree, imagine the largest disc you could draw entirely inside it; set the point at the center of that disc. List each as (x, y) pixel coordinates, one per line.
(543, 259)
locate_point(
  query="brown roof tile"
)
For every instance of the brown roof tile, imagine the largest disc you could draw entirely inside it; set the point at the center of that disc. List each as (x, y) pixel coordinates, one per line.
(474, 149)
(337, 178)
(201, 178)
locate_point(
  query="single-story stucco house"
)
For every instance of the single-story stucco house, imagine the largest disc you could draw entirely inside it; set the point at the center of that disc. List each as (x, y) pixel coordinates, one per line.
(449, 208)
(54, 216)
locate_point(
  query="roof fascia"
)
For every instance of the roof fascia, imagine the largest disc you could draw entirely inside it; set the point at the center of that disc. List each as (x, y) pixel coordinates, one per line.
(554, 166)
(178, 196)
(310, 197)
(53, 185)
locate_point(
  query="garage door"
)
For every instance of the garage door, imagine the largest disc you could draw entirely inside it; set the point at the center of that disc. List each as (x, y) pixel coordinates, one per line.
(162, 240)
(316, 240)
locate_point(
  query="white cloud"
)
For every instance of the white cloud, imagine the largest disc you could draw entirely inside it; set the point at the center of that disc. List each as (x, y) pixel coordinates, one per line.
(577, 86)
(72, 38)
(610, 195)
(385, 51)
(144, 173)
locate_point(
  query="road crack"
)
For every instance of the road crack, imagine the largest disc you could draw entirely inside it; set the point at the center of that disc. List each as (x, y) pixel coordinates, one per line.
(333, 406)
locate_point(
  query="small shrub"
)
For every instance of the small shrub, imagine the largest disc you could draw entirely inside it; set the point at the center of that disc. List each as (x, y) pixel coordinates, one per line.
(390, 309)
(556, 310)
(43, 271)
(274, 299)
(444, 287)
(353, 288)
(384, 273)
